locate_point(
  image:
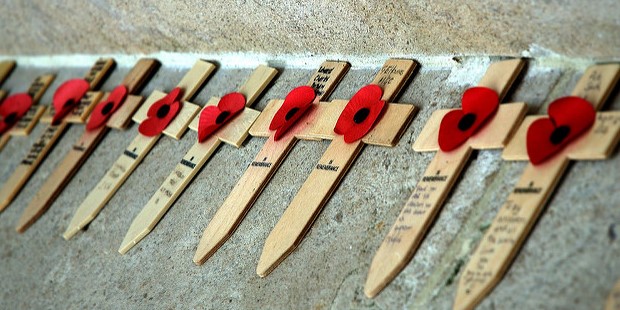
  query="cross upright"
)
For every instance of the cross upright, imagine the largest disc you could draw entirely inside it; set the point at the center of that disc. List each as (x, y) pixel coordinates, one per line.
(22, 126)
(516, 217)
(268, 160)
(232, 129)
(428, 197)
(75, 103)
(340, 154)
(158, 115)
(6, 68)
(114, 110)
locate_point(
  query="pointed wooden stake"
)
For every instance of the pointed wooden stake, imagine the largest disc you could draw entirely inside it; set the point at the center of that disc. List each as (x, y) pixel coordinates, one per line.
(60, 177)
(140, 146)
(517, 216)
(44, 145)
(24, 125)
(428, 197)
(6, 67)
(234, 132)
(334, 164)
(613, 301)
(266, 163)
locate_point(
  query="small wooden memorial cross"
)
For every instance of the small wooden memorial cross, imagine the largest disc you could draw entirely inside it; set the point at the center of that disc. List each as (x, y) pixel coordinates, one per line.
(75, 109)
(142, 144)
(613, 301)
(517, 216)
(6, 68)
(427, 198)
(268, 160)
(341, 153)
(26, 123)
(118, 107)
(232, 132)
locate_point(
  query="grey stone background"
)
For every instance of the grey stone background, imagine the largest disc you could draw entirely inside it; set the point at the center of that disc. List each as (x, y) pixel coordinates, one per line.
(570, 261)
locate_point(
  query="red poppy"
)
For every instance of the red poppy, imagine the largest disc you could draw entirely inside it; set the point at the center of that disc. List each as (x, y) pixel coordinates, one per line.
(214, 117)
(67, 97)
(12, 109)
(361, 113)
(102, 112)
(569, 117)
(161, 113)
(296, 103)
(477, 106)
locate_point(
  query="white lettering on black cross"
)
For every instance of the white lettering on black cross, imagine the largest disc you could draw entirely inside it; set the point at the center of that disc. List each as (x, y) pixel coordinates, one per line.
(141, 145)
(45, 143)
(428, 197)
(233, 132)
(335, 162)
(267, 161)
(80, 151)
(524, 204)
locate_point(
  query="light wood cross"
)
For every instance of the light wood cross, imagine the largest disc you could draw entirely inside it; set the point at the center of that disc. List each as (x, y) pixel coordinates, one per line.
(267, 161)
(141, 145)
(613, 301)
(39, 150)
(62, 174)
(234, 132)
(428, 197)
(6, 68)
(335, 162)
(517, 216)
(24, 125)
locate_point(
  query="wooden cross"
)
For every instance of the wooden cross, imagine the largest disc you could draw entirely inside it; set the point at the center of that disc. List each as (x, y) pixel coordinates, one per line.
(267, 161)
(613, 301)
(6, 68)
(141, 145)
(95, 77)
(62, 174)
(234, 132)
(428, 197)
(24, 125)
(517, 216)
(336, 161)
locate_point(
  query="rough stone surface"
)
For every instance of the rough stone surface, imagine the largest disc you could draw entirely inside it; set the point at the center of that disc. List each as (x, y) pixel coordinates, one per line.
(493, 27)
(568, 262)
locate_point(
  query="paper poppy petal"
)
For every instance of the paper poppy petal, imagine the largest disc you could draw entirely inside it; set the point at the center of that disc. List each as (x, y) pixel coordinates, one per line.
(569, 117)
(360, 114)
(291, 121)
(214, 117)
(12, 109)
(68, 96)
(295, 104)
(478, 105)
(172, 96)
(103, 110)
(153, 126)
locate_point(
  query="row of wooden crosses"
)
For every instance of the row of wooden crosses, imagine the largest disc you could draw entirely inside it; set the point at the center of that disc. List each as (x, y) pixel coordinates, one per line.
(572, 130)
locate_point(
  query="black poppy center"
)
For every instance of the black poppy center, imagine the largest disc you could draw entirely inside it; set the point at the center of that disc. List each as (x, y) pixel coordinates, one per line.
(467, 121)
(163, 111)
(559, 134)
(361, 115)
(107, 108)
(222, 117)
(291, 113)
(11, 119)
(69, 103)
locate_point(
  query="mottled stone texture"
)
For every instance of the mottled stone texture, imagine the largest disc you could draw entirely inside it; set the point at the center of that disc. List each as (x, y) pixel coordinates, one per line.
(570, 261)
(574, 28)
